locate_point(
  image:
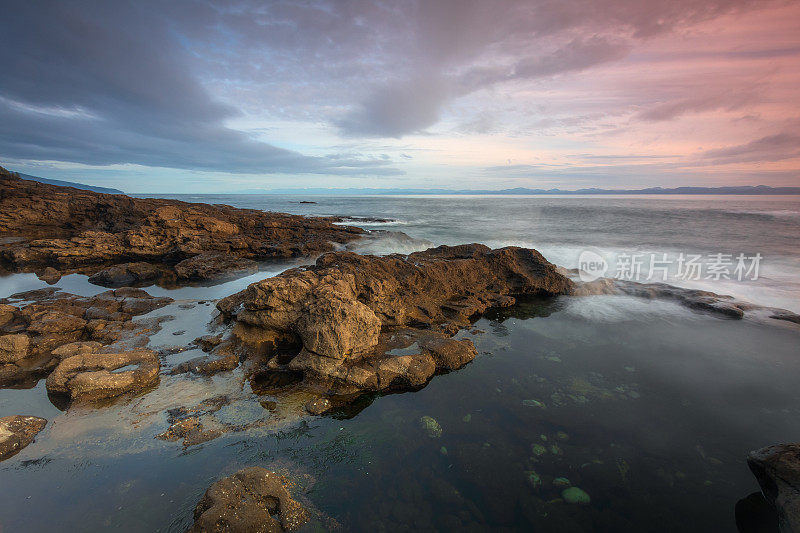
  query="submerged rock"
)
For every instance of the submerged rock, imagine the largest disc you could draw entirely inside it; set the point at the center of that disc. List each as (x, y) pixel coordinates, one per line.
(430, 426)
(777, 469)
(16, 432)
(253, 499)
(215, 265)
(575, 495)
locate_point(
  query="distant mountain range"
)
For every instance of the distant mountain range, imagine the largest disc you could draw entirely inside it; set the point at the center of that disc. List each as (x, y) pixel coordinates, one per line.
(60, 183)
(744, 189)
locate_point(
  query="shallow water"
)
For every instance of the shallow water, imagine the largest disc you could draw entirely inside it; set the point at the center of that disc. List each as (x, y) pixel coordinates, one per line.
(647, 407)
(657, 408)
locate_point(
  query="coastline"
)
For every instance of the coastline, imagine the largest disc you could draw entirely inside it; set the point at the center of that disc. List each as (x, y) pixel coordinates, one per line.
(176, 243)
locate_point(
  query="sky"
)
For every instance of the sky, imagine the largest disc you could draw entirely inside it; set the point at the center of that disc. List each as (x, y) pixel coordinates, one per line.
(209, 97)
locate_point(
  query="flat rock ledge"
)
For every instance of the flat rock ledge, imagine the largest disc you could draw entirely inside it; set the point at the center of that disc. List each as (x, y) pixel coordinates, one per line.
(777, 469)
(96, 376)
(365, 323)
(253, 499)
(16, 432)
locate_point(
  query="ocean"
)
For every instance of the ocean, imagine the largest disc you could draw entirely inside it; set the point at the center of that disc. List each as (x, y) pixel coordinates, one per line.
(646, 407)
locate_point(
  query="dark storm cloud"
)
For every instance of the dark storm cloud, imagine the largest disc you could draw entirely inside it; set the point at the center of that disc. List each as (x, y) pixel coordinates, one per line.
(157, 83)
(110, 82)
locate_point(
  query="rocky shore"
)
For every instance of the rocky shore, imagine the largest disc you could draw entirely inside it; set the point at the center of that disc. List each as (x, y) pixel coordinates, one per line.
(353, 323)
(122, 240)
(332, 331)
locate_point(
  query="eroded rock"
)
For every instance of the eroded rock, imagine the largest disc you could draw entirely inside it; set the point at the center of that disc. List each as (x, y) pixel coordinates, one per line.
(95, 376)
(253, 499)
(16, 432)
(348, 312)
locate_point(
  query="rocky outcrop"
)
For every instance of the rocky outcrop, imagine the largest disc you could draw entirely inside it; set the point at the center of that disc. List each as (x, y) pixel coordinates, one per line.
(721, 305)
(777, 469)
(214, 265)
(253, 499)
(78, 230)
(95, 376)
(49, 325)
(16, 432)
(372, 323)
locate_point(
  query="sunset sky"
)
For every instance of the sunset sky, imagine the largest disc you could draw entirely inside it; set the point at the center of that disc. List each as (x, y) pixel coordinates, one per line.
(223, 96)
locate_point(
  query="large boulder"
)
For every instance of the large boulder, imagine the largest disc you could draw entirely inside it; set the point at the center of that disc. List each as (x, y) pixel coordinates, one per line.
(95, 376)
(253, 500)
(777, 469)
(16, 432)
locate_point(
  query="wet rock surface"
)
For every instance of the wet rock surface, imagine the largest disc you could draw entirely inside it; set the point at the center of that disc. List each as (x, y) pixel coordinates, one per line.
(16, 432)
(777, 469)
(350, 313)
(253, 499)
(78, 230)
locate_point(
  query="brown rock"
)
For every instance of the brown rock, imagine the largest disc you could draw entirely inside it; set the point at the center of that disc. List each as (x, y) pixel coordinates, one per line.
(215, 265)
(777, 469)
(16, 432)
(126, 274)
(49, 275)
(95, 376)
(68, 228)
(330, 306)
(13, 348)
(249, 500)
(7, 314)
(450, 354)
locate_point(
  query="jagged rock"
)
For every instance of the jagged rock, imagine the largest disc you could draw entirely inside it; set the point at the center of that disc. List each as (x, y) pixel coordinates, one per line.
(49, 275)
(96, 376)
(215, 265)
(16, 432)
(346, 310)
(81, 230)
(76, 348)
(438, 288)
(249, 500)
(777, 469)
(13, 348)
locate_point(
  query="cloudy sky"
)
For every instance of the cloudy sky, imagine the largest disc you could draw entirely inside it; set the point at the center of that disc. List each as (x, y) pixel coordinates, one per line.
(201, 96)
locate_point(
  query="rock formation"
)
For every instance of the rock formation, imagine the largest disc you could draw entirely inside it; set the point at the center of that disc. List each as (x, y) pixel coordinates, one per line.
(78, 230)
(777, 469)
(16, 432)
(253, 499)
(95, 376)
(350, 315)
(47, 326)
